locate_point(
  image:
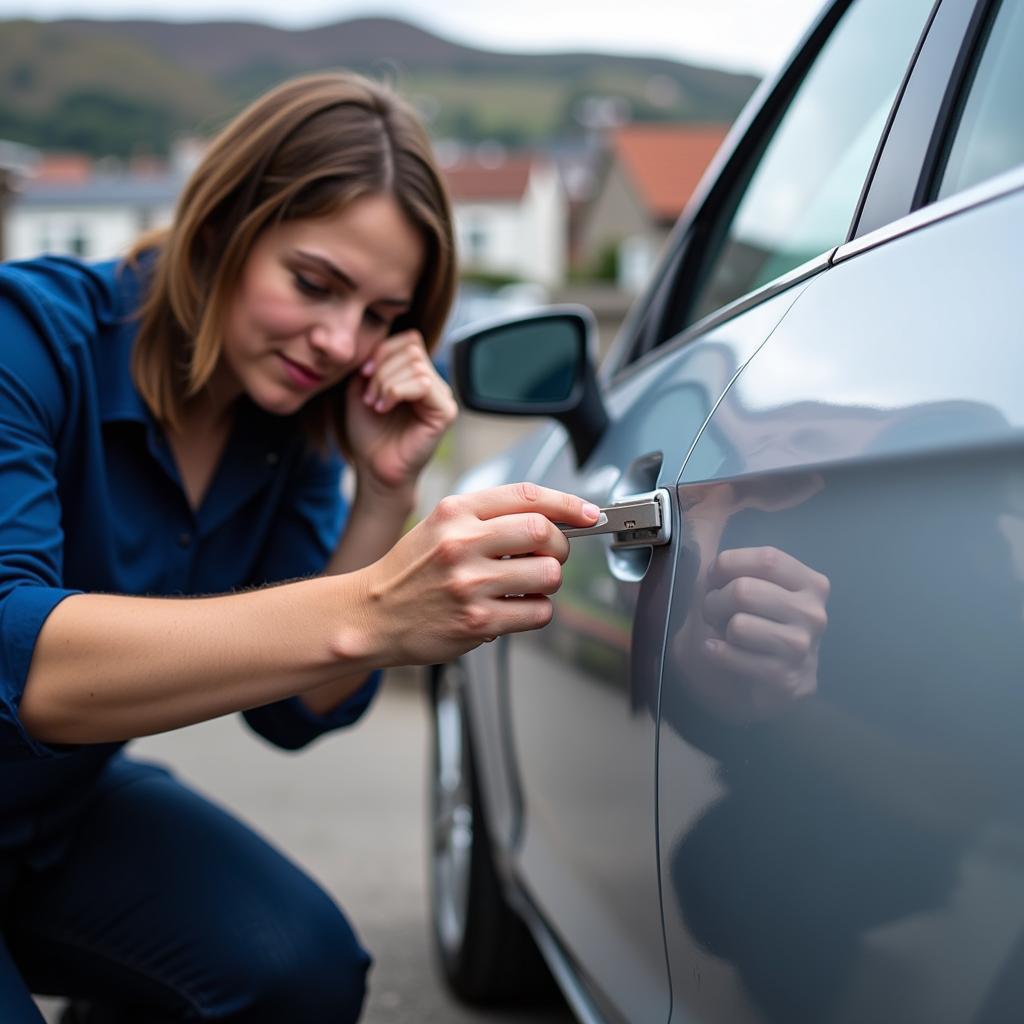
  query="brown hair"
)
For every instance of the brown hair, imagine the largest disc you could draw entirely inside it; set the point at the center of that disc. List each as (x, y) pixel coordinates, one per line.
(305, 149)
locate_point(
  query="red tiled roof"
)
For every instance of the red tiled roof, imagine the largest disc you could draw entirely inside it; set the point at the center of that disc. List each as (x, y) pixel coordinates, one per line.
(63, 167)
(470, 180)
(665, 162)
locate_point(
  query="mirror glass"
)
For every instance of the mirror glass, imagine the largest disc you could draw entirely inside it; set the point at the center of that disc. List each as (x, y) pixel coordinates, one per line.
(531, 363)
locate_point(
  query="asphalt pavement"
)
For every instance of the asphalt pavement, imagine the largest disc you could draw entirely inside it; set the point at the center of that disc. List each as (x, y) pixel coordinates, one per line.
(351, 809)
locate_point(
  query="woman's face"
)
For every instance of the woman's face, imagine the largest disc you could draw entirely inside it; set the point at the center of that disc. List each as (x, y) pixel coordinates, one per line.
(315, 299)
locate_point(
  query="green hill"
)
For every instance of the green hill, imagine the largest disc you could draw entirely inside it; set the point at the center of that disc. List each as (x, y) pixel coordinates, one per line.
(118, 87)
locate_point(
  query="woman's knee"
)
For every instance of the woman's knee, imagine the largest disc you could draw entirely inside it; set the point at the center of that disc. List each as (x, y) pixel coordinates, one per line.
(308, 969)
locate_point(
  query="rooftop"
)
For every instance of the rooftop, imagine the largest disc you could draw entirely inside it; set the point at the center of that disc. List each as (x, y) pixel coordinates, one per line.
(664, 162)
(503, 179)
(150, 190)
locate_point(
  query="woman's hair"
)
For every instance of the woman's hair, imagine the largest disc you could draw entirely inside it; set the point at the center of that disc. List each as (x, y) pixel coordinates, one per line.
(305, 149)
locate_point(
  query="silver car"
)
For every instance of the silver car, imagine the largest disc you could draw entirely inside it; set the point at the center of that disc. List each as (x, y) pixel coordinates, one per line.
(766, 764)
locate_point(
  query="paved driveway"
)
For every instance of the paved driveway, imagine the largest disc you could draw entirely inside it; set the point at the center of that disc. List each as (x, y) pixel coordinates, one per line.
(351, 810)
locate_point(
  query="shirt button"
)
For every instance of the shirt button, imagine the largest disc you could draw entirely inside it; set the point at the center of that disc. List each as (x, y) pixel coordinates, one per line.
(184, 538)
(272, 458)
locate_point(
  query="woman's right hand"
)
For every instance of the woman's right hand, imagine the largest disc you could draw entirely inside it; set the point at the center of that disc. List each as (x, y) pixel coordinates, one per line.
(480, 565)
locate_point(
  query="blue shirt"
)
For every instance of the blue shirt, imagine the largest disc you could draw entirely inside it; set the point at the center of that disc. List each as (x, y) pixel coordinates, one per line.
(91, 501)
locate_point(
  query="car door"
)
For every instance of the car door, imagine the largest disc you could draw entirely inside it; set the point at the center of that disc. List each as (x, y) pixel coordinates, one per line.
(842, 826)
(582, 694)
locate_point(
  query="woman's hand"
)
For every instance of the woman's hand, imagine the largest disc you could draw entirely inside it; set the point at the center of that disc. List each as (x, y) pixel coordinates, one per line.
(478, 566)
(398, 408)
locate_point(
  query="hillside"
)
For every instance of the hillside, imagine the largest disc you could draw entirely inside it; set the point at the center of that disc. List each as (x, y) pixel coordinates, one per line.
(114, 87)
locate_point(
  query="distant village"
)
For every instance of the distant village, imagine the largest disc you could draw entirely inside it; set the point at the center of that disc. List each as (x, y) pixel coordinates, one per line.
(590, 212)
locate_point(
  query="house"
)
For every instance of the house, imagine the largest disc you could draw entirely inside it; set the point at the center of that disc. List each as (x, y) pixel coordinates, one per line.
(649, 174)
(510, 211)
(511, 216)
(69, 206)
(16, 163)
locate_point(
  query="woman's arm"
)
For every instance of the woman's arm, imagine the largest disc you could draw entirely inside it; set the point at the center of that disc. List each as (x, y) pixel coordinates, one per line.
(397, 410)
(374, 526)
(109, 668)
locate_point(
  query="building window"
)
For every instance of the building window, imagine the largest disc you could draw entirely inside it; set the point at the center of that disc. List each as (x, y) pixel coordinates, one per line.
(78, 243)
(476, 242)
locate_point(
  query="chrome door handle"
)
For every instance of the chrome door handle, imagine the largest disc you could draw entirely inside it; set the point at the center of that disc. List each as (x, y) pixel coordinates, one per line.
(636, 521)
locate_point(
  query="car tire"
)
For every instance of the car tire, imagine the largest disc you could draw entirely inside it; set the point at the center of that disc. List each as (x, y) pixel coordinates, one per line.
(486, 953)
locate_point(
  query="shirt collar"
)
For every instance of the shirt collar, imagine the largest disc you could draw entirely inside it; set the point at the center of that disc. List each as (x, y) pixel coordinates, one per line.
(260, 446)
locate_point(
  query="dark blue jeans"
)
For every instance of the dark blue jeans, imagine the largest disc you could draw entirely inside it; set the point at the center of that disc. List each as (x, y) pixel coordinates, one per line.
(169, 908)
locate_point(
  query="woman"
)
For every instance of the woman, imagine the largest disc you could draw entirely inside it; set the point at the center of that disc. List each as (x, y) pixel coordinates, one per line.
(169, 427)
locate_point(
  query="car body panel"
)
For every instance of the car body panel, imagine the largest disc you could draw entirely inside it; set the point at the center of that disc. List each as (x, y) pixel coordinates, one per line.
(587, 780)
(853, 850)
(485, 700)
(858, 854)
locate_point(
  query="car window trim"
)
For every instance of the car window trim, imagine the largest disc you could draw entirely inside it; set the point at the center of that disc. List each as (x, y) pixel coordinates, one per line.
(890, 120)
(742, 163)
(725, 313)
(960, 84)
(985, 192)
(919, 117)
(748, 134)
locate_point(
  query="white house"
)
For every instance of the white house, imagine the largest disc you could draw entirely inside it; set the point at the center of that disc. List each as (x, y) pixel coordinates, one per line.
(16, 163)
(68, 204)
(66, 208)
(511, 217)
(511, 212)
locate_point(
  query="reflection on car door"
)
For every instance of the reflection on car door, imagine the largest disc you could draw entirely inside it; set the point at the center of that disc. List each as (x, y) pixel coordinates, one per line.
(583, 691)
(854, 849)
(847, 846)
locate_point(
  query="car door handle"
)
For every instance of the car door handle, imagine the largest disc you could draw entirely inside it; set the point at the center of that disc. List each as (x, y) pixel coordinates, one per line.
(635, 521)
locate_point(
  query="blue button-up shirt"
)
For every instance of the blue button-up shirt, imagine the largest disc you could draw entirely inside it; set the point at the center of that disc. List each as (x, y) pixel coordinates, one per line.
(91, 501)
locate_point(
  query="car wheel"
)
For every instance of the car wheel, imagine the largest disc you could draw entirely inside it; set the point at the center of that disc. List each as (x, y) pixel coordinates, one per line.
(485, 951)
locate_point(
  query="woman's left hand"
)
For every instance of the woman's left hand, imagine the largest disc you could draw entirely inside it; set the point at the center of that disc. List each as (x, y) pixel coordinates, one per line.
(398, 409)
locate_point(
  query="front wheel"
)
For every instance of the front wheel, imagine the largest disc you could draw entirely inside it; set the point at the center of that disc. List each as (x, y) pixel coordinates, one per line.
(485, 951)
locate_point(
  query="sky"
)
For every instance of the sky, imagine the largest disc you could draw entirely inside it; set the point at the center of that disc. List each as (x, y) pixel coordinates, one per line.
(746, 35)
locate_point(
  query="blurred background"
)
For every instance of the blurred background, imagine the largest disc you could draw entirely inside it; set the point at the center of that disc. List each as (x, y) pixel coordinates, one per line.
(571, 135)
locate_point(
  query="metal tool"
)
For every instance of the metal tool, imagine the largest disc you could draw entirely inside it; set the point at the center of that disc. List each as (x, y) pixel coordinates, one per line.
(639, 520)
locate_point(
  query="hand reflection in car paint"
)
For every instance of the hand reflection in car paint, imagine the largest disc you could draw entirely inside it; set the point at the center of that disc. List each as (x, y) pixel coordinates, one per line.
(757, 615)
(851, 798)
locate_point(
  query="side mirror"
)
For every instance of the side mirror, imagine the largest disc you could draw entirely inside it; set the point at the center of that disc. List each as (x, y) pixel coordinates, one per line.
(535, 365)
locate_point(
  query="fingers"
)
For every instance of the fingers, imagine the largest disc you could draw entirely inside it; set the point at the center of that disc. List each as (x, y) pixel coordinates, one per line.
(771, 678)
(411, 387)
(525, 576)
(770, 564)
(511, 499)
(399, 371)
(463, 589)
(403, 345)
(768, 609)
(525, 533)
(519, 614)
(767, 600)
(760, 636)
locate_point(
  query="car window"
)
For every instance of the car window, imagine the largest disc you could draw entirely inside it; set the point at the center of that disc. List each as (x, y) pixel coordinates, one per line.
(989, 137)
(799, 197)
